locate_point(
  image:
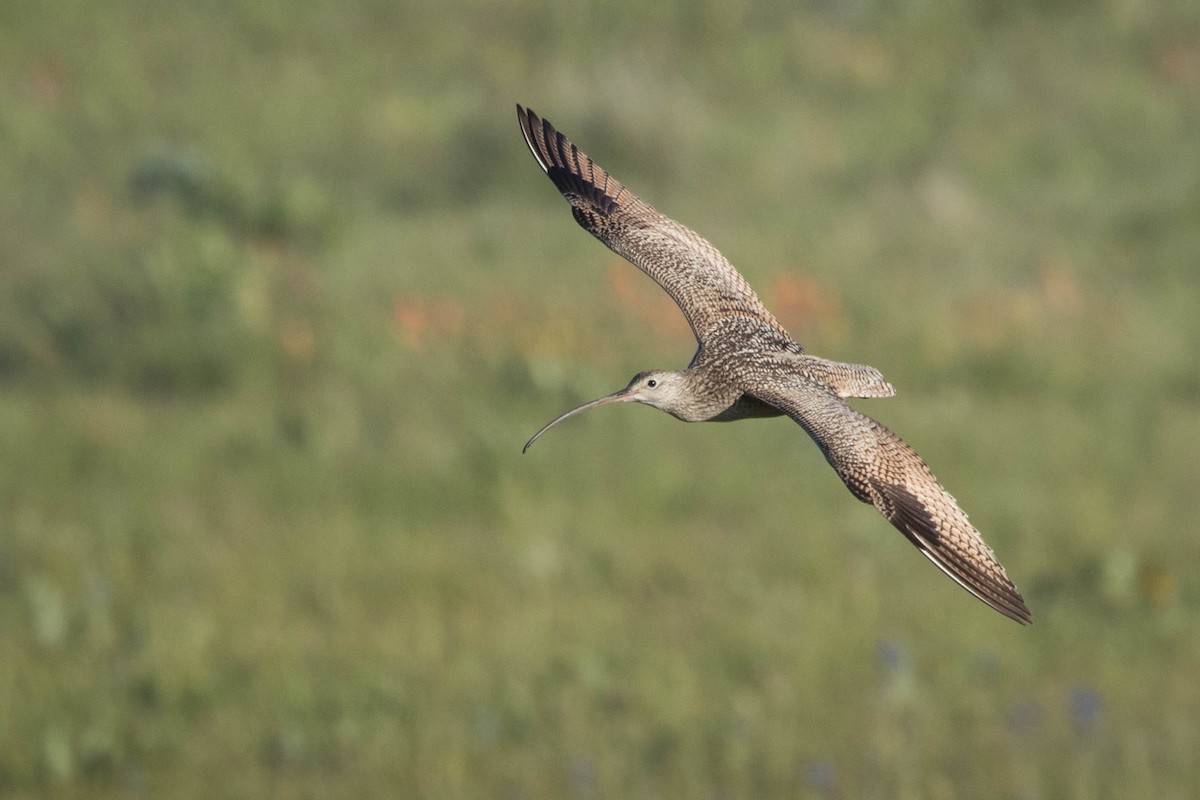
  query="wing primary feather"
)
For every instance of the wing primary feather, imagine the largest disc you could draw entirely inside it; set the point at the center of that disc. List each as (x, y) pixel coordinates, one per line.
(553, 144)
(915, 521)
(525, 118)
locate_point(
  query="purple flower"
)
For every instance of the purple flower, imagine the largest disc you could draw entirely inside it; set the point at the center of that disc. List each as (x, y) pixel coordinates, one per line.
(1087, 706)
(893, 656)
(821, 777)
(1024, 717)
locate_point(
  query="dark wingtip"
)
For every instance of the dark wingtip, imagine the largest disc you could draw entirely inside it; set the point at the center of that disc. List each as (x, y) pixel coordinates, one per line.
(570, 169)
(528, 121)
(913, 519)
(524, 115)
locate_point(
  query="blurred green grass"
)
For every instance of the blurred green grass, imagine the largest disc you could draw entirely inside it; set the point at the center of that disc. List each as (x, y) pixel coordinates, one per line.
(282, 294)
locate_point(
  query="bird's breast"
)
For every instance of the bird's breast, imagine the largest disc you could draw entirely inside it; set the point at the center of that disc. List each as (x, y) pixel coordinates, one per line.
(746, 407)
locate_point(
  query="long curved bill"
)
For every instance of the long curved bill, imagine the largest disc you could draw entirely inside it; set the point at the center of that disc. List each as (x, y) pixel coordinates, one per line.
(623, 396)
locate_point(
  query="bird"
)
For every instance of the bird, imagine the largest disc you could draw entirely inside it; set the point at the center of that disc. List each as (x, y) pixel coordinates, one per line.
(746, 365)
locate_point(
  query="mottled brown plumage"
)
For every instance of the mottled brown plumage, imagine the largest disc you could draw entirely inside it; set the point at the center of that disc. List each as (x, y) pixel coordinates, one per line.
(748, 366)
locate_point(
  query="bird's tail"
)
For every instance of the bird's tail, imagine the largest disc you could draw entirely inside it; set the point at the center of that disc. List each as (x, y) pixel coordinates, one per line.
(846, 380)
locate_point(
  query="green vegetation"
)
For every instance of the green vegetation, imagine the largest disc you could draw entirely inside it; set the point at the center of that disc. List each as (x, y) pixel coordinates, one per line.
(282, 295)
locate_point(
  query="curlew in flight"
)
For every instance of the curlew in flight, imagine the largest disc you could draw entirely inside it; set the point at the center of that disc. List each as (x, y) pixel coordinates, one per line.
(748, 366)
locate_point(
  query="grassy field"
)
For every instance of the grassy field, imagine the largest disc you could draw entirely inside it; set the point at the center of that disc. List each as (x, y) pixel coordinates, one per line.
(282, 294)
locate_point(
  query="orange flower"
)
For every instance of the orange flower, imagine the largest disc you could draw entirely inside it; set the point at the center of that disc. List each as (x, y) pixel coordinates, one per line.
(642, 301)
(804, 304)
(412, 320)
(1060, 287)
(419, 320)
(296, 339)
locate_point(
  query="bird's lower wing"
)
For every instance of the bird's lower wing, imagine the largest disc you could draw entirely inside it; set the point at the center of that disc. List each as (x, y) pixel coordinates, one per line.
(704, 285)
(880, 469)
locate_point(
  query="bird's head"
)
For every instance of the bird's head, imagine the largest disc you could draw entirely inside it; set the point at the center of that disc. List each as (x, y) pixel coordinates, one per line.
(659, 388)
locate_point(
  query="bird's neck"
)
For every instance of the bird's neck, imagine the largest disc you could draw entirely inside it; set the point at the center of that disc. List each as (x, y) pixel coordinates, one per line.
(703, 396)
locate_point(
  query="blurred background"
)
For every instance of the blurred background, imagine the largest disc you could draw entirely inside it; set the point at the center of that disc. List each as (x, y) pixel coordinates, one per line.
(282, 294)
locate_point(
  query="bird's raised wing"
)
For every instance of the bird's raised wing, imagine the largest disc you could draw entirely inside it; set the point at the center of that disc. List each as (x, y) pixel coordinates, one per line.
(694, 273)
(880, 469)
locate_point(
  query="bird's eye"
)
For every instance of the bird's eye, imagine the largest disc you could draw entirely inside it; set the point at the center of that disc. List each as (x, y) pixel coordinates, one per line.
(651, 383)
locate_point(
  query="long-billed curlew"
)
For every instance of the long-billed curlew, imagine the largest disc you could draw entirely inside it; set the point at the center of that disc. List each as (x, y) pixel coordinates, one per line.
(748, 366)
